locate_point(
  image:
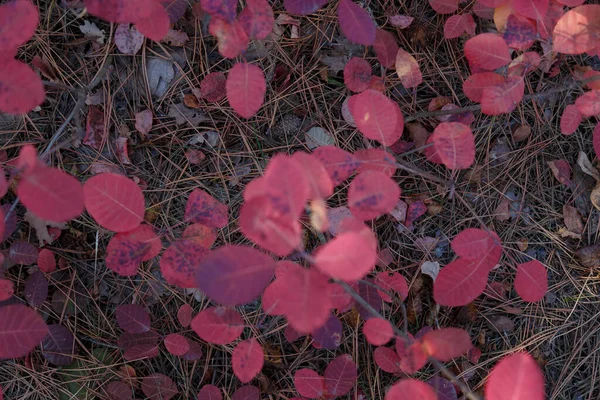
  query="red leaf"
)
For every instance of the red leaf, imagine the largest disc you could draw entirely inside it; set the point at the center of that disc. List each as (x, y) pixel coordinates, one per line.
(246, 88)
(7, 289)
(144, 234)
(487, 51)
(210, 392)
(141, 352)
(257, 18)
(357, 74)
(408, 70)
(177, 344)
(387, 359)
(119, 11)
(118, 390)
(247, 360)
(531, 282)
(18, 22)
(391, 283)
(506, 379)
(348, 257)
(231, 36)
(21, 330)
(570, 120)
(36, 289)
(355, 23)
(156, 26)
(127, 340)
(376, 116)
(339, 163)
(475, 84)
(460, 282)
(51, 194)
(201, 234)
(595, 84)
(577, 30)
(520, 33)
(309, 384)
(319, 183)
(589, 103)
(202, 208)
(180, 262)
(184, 315)
(408, 389)
(446, 343)
(46, 261)
(218, 325)
(503, 98)
(220, 9)
(248, 392)
(385, 47)
(114, 201)
(158, 387)
(453, 146)
(415, 210)
(22, 252)
(478, 245)
(376, 160)
(372, 194)
(561, 171)
(378, 331)
(303, 7)
(212, 87)
(286, 185)
(234, 275)
(458, 24)
(444, 6)
(133, 318)
(370, 294)
(340, 375)
(534, 9)
(194, 353)
(58, 346)
(124, 255)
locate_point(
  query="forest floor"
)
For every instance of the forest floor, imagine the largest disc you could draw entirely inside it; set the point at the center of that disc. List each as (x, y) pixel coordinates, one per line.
(511, 189)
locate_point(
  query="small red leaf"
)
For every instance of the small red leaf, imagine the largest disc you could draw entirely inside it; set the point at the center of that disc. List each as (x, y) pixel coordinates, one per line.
(453, 146)
(7, 289)
(36, 289)
(246, 88)
(21, 89)
(378, 331)
(407, 69)
(212, 87)
(348, 257)
(561, 171)
(570, 120)
(156, 26)
(124, 255)
(231, 36)
(202, 208)
(194, 353)
(391, 283)
(531, 282)
(21, 330)
(357, 74)
(51, 194)
(534, 9)
(210, 392)
(355, 23)
(487, 51)
(133, 318)
(220, 9)
(247, 360)
(18, 22)
(387, 359)
(218, 325)
(303, 7)
(372, 194)
(409, 389)
(144, 234)
(340, 164)
(201, 234)
(180, 262)
(234, 275)
(386, 48)
(456, 25)
(503, 98)
(460, 282)
(184, 315)
(177, 344)
(257, 18)
(376, 116)
(340, 375)
(58, 346)
(22, 252)
(444, 6)
(415, 210)
(506, 379)
(478, 245)
(446, 343)
(309, 384)
(46, 261)
(158, 387)
(248, 392)
(376, 160)
(475, 84)
(588, 104)
(114, 201)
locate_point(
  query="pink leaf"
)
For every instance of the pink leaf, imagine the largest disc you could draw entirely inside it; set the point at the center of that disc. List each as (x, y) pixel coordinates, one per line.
(534, 9)
(202, 208)
(210, 392)
(391, 283)
(444, 6)
(475, 84)
(348, 257)
(408, 389)
(453, 146)
(570, 120)
(177, 344)
(407, 69)
(446, 343)
(184, 315)
(7, 289)
(257, 18)
(340, 375)
(576, 32)
(231, 36)
(246, 88)
(531, 282)
(487, 51)
(460, 282)
(376, 116)
(212, 87)
(520, 33)
(340, 164)
(355, 23)
(115, 202)
(386, 48)
(124, 255)
(588, 104)
(218, 325)
(156, 26)
(309, 383)
(376, 160)
(387, 359)
(503, 98)
(516, 377)
(478, 245)
(372, 194)
(21, 330)
(378, 331)
(319, 183)
(18, 22)
(220, 9)
(234, 275)
(357, 74)
(180, 262)
(247, 360)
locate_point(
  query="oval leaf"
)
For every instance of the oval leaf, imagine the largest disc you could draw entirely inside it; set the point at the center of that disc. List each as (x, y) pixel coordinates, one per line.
(376, 116)
(487, 51)
(158, 387)
(446, 343)
(453, 146)
(21, 89)
(18, 22)
(257, 18)
(210, 392)
(570, 120)
(218, 325)
(387, 359)
(21, 330)
(247, 360)
(202, 208)
(506, 379)
(531, 282)
(372, 194)
(340, 375)
(246, 88)
(357, 74)
(408, 389)
(133, 318)
(577, 31)
(180, 262)
(22, 252)
(355, 23)
(177, 344)
(378, 331)
(58, 346)
(309, 384)
(407, 69)
(36, 289)
(348, 257)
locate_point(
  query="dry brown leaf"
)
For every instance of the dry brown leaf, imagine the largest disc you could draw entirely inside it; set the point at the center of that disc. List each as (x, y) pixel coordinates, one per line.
(523, 244)
(502, 212)
(586, 166)
(573, 220)
(595, 196)
(561, 171)
(501, 324)
(521, 133)
(589, 256)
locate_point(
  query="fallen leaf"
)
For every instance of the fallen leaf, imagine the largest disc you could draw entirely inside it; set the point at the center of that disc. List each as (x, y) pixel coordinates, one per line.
(589, 256)
(90, 29)
(143, 122)
(123, 150)
(41, 228)
(401, 21)
(182, 114)
(521, 133)
(176, 38)
(561, 171)
(572, 219)
(195, 156)
(431, 268)
(95, 130)
(595, 196)
(128, 39)
(501, 324)
(160, 74)
(317, 137)
(586, 166)
(502, 212)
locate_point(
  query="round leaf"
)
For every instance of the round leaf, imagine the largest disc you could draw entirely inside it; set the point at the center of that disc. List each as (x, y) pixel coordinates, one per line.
(357, 74)
(58, 346)
(378, 331)
(348, 257)
(309, 384)
(218, 325)
(340, 375)
(376, 116)
(133, 318)
(531, 282)
(487, 51)
(516, 377)
(409, 389)
(355, 23)
(246, 88)
(180, 262)
(247, 360)
(177, 344)
(21, 330)
(210, 392)
(202, 208)
(372, 194)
